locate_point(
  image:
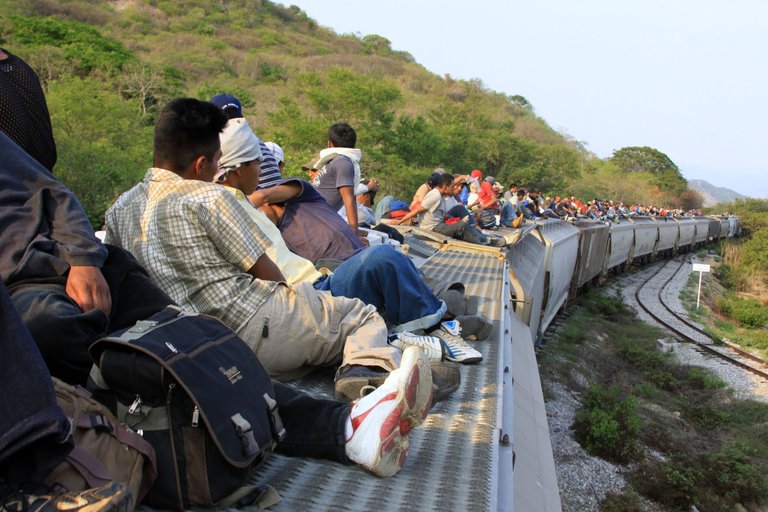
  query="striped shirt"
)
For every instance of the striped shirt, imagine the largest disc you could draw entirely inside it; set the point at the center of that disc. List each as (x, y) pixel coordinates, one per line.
(195, 241)
(270, 171)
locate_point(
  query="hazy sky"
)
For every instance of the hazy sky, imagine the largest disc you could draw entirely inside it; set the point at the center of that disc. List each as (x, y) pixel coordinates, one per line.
(687, 77)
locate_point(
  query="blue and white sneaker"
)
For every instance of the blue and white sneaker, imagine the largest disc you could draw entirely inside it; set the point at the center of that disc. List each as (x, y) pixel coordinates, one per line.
(430, 345)
(452, 326)
(455, 348)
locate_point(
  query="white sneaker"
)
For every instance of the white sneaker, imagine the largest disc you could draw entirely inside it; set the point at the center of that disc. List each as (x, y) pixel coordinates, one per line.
(431, 346)
(380, 421)
(456, 349)
(452, 326)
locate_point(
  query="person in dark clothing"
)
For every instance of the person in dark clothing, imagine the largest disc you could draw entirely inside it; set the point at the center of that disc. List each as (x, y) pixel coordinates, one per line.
(23, 112)
(310, 227)
(69, 288)
(35, 435)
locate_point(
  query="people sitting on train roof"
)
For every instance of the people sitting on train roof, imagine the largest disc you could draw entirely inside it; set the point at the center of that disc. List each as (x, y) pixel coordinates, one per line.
(270, 167)
(486, 196)
(433, 215)
(72, 289)
(425, 187)
(202, 248)
(379, 275)
(365, 194)
(339, 171)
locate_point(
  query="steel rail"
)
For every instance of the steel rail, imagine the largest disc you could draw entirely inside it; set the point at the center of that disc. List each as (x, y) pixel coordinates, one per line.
(704, 346)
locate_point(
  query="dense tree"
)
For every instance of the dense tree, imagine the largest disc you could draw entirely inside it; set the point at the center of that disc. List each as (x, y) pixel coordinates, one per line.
(649, 160)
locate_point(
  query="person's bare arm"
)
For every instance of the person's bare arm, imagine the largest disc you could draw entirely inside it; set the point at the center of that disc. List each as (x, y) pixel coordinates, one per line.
(88, 288)
(350, 205)
(266, 270)
(278, 194)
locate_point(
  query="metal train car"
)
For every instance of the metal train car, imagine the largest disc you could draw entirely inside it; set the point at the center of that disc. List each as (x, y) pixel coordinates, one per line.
(621, 240)
(646, 236)
(594, 237)
(687, 234)
(669, 232)
(702, 231)
(714, 229)
(497, 416)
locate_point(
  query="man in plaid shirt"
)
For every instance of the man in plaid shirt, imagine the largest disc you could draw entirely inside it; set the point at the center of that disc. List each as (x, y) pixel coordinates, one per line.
(201, 248)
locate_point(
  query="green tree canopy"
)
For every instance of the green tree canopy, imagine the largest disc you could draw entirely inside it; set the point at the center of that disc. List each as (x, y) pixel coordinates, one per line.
(649, 160)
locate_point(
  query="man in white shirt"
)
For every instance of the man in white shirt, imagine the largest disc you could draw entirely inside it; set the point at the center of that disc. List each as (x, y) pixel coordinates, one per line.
(433, 214)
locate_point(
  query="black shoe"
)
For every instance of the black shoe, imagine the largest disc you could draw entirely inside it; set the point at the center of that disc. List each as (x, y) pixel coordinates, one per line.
(112, 497)
(355, 381)
(446, 379)
(496, 241)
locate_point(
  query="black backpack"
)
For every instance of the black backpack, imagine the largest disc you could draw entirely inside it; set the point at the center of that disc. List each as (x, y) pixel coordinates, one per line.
(193, 389)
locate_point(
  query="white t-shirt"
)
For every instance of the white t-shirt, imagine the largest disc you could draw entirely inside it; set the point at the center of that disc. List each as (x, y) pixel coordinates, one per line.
(435, 209)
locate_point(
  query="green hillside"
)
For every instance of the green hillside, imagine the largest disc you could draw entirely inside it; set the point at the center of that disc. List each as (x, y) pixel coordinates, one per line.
(108, 66)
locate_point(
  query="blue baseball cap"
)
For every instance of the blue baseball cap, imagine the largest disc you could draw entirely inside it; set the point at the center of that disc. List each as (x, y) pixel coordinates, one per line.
(229, 104)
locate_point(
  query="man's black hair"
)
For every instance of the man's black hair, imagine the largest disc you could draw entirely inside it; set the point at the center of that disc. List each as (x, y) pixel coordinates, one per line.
(342, 135)
(186, 129)
(445, 179)
(521, 191)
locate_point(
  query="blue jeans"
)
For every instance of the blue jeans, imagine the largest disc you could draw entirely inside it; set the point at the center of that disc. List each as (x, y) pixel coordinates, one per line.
(386, 278)
(461, 231)
(33, 429)
(63, 332)
(508, 214)
(461, 211)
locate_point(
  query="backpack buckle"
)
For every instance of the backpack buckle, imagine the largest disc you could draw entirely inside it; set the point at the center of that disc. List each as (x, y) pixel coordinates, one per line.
(245, 433)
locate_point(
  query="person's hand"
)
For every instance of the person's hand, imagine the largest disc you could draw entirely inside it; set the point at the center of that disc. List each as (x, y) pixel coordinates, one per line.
(364, 240)
(88, 288)
(396, 222)
(373, 185)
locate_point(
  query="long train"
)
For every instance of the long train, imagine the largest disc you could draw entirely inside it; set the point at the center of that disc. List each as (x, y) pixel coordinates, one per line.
(487, 447)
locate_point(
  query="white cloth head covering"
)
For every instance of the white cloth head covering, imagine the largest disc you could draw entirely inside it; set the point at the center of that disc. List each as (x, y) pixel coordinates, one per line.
(276, 150)
(238, 145)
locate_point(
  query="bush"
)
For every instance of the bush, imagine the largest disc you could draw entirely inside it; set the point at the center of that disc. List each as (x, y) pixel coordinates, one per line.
(83, 45)
(608, 424)
(626, 501)
(605, 306)
(100, 155)
(748, 312)
(700, 378)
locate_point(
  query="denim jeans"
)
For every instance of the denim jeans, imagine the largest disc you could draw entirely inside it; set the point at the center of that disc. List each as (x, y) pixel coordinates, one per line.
(461, 231)
(33, 430)
(508, 214)
(386, 278)
(461, 212)
(63, 332)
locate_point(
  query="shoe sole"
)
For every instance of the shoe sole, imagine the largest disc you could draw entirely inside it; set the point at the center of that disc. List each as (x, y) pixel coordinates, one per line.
(414, 399)
(348, 389)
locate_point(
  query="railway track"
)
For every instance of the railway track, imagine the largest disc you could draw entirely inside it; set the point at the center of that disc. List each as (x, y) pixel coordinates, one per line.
(687, 331)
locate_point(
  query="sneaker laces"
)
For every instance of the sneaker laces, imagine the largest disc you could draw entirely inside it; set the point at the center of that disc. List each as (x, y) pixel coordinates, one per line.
(431, 345)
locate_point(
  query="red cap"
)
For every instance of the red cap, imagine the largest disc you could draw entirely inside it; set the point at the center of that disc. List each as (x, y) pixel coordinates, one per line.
(476, 174)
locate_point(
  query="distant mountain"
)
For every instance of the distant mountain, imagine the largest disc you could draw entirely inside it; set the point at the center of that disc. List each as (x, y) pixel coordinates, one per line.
(712, 194)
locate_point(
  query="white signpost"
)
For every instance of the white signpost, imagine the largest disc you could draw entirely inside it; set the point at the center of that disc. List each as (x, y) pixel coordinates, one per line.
(700, 268)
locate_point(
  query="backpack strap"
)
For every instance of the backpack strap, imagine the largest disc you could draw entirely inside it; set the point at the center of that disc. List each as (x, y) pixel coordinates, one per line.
(89, 467)
(93, 470)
